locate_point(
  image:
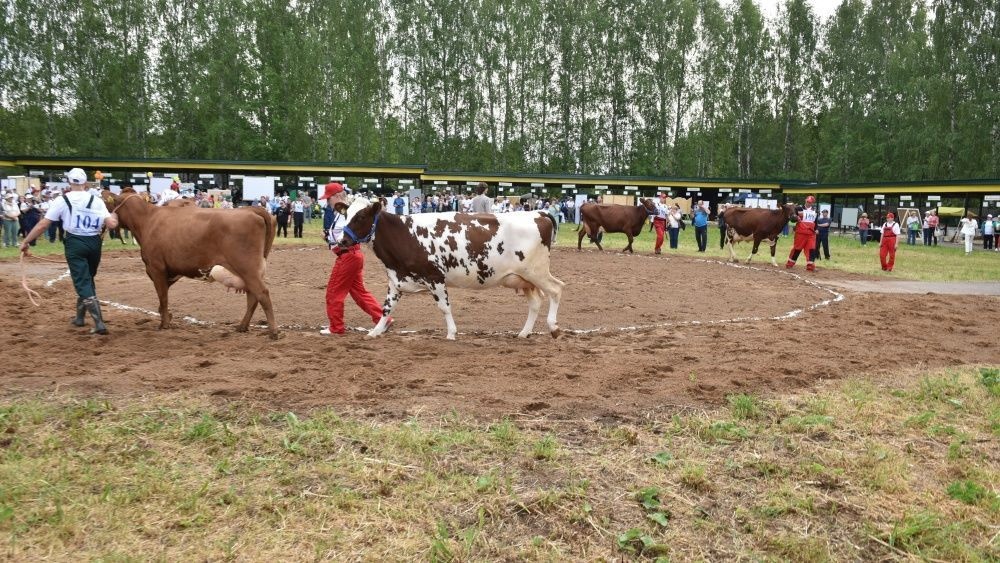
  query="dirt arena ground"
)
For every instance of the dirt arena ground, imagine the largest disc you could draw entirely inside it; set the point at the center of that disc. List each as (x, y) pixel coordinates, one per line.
(644, 335)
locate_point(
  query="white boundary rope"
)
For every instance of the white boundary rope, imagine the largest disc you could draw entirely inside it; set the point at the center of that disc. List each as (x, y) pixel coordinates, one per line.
(836, 297)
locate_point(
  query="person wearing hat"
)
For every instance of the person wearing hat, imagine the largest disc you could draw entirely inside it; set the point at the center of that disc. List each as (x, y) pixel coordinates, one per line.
(11, 217)
(30, 214)
(169, 194)
(968, 225)
(863, 225)
(889, 242)
(805, 236)
(348, 274)
(83, 216)
(660, 220)
(988, 231)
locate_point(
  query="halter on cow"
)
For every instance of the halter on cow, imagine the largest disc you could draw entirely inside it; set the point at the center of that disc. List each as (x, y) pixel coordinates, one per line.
(434, 251)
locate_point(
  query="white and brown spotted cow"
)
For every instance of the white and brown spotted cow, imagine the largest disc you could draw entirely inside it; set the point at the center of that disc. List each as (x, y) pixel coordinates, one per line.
(435, 251)
(756, 224)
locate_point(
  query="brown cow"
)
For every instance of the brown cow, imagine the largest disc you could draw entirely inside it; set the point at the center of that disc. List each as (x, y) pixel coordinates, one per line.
(229, 246)
(756, 224)
(613, 218)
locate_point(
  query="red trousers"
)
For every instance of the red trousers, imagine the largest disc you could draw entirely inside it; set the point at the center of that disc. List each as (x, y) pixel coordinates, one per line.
(887, 253)
(660, 226)
(347, 277)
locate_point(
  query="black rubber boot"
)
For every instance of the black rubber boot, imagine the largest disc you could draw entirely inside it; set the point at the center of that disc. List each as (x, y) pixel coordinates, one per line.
(94, 306)
(81, 309)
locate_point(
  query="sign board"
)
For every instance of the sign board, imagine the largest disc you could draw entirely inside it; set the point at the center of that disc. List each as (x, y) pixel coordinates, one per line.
(440, 183)
(506, 184)
(905, 198)
(725, 190)
(537, 185)
(879, 196)
(35, 173)
(568, 186)
(256, 186)
(848, 217)
(157, 185)
(206, 176)
(990, 198)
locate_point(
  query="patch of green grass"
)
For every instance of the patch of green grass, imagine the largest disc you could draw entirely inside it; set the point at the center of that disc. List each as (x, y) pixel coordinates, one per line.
(806, 423)
(694, 476)
(545, 449)
(990, 377)
(745, 407)
(929, 535)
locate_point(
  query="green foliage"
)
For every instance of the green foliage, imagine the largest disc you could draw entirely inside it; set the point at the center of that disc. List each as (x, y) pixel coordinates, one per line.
(683, 88)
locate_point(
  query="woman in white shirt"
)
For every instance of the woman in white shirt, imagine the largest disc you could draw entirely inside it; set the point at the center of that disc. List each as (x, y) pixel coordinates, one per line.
(968, 226)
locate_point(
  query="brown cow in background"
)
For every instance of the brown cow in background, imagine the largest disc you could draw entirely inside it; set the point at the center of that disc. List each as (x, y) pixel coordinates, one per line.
(613, 218)
(226, 245)
(756, 224)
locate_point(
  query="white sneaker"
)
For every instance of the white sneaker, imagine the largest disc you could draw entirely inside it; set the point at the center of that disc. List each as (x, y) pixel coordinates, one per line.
(325, 332)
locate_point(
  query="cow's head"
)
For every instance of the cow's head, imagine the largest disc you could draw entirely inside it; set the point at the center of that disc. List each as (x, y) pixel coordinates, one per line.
(362, 218)
(789, 210)
(648, 204)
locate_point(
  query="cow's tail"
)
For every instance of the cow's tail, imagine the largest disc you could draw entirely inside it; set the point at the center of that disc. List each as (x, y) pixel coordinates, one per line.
(554, 226)
(270, 228)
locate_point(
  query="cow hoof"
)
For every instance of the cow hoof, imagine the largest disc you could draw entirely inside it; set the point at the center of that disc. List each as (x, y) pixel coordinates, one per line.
(523, 334)
(556, 333)
(450, 337)
(241, 329)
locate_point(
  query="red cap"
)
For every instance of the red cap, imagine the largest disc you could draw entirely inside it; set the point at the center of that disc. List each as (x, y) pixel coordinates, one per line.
(332, 189)
(810, 199)
(890, 216)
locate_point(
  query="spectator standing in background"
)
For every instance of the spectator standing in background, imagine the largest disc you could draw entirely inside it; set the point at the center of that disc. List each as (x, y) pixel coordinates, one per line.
(700, 222)
(482, 202)
(968, 226)
(933, 221)
(988, 232)
(674, 224)
(863, 225)
(298, 215)
(823, 235)
(912, 227)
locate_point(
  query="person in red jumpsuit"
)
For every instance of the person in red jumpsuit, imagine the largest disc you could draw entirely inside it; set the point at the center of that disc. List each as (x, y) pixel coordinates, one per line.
(348, 274)
(890, 240)
(805, 236)
(660, 221)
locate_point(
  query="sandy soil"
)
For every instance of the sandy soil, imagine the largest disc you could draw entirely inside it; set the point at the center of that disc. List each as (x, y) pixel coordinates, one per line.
(645, 334)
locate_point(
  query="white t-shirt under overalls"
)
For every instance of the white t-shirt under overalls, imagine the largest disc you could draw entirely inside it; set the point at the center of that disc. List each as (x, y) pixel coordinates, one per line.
(86, 217)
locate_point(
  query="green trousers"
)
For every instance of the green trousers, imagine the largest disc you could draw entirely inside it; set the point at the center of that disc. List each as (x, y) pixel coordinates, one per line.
(83, 255)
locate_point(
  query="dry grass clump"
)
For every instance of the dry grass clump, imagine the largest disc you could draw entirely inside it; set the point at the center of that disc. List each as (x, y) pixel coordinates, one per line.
(865, 470)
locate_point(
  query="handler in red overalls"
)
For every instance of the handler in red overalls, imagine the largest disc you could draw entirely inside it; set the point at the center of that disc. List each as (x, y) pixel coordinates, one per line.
(805, 236)
(348, 274)
(890, 240)
(660, 221)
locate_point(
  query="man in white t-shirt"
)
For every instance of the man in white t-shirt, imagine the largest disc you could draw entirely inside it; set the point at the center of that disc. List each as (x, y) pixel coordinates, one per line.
(83, 216)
